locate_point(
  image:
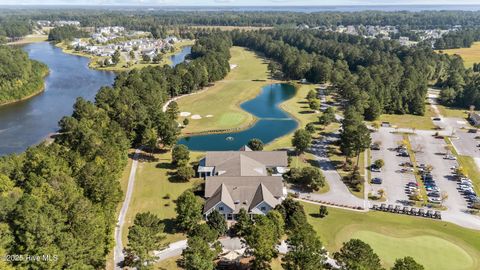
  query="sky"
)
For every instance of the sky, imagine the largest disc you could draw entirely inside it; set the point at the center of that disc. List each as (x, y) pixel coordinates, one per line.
(238, 2)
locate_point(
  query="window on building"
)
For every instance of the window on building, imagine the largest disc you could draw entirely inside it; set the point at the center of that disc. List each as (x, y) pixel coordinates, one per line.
(220, 208)
(263, 208)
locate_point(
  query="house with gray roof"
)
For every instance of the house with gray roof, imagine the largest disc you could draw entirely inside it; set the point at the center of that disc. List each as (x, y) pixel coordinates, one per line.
(246, 179)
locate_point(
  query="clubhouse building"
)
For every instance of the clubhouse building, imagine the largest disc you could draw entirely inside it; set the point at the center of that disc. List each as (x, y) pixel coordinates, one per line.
(246, 179)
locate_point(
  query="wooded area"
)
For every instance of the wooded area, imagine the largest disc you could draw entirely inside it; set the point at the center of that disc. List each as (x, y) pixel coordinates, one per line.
(20, 76)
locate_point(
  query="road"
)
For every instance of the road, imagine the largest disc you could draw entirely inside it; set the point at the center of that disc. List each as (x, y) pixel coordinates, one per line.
(118, 255)
(338, 193)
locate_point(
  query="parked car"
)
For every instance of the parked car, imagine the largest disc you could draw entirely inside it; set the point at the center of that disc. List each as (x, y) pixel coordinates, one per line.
(438, 215)
(437, 119)
(374, 168)
(434, 200)
(376, 181)
(375, 146)
(413, 211)
(449, 157)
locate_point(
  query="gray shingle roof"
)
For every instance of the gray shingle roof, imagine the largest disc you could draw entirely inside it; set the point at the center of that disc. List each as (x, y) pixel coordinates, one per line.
(247, 191)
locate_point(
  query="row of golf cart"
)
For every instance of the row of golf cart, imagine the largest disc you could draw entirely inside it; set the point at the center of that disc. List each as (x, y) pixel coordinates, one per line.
(398, 209)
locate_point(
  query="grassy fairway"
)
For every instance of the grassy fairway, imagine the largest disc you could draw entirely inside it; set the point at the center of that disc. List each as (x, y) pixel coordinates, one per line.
(222, 100)
(151, 187)
(435, 244)
(469, 55)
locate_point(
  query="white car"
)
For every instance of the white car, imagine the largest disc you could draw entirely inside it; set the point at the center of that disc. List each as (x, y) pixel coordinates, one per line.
(449, 157)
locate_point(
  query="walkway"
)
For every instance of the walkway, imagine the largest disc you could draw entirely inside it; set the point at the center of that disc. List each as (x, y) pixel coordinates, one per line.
(118, 255)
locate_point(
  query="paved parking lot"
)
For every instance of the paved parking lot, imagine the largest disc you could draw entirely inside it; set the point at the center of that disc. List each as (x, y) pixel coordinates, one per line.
(394, 181)
(466, 144)
(431, 154)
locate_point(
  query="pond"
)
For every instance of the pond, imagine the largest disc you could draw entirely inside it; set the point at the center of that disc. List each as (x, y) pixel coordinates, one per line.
(273, 122)
(180, 56)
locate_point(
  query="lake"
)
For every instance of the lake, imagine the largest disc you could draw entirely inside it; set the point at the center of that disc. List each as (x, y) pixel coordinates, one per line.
(273, 122)
(28, 122)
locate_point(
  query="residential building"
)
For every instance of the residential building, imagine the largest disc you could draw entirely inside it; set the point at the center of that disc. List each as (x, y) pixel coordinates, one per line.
(246, 179)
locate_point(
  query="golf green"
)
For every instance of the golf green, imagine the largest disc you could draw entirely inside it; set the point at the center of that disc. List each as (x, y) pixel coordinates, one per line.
(433, 252)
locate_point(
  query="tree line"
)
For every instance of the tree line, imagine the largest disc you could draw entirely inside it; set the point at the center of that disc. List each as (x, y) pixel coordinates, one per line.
(376, 76)
(67, 32)
(134, 18)
(60, 199)
(458, 39)
(20, 76)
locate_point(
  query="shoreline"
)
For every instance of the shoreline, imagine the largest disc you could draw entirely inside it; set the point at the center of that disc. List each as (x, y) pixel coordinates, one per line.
(251, 123)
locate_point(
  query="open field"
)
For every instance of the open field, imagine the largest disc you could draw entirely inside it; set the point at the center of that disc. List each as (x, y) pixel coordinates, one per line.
(29, 39)
(409, 120)
(120, 66)
(223, 100)
(469, 55)
(152, 185)
(435, 244)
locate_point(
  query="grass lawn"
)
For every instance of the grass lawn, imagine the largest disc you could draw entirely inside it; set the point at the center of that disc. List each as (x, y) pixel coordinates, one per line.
(223, 99)
(168, 264)
(435, 244)
(410, 121)
(30, 39)
(152, 184)
(452, 112)
(469, 55)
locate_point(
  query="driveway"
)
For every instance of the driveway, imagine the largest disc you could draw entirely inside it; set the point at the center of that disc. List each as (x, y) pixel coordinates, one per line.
(338, 193)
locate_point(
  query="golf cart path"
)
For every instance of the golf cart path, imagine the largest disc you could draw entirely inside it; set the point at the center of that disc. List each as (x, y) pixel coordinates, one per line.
(118, 256)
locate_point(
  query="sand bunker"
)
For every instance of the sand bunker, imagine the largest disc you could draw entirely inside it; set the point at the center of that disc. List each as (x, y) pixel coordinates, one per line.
(196, 116)
(185, 114)
(233, 66)
(208, 116)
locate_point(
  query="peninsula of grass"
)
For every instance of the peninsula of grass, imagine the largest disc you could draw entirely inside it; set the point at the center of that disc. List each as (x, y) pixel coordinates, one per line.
(297, 106)
(221, 102)
(435, 244)
(469, 55)
(33, 38)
